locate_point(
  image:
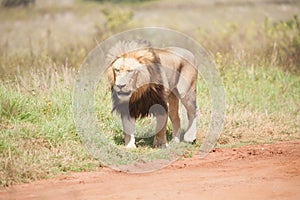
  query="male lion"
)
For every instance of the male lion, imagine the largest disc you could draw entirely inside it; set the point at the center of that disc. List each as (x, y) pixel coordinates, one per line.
(145, 80)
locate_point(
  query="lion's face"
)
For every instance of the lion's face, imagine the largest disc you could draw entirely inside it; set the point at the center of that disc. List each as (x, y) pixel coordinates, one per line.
(129, 74)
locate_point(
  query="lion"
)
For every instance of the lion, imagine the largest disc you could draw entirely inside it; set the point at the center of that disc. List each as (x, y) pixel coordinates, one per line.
(151, 81)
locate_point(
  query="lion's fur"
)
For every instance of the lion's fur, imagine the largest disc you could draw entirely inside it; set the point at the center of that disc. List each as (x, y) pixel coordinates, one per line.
(169, 77)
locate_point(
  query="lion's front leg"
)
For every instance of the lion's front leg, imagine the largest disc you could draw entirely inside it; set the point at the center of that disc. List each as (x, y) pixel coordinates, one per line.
(160, 139)
(128, 128)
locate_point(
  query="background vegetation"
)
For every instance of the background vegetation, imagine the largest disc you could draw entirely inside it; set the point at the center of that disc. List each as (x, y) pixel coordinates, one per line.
(255, 44)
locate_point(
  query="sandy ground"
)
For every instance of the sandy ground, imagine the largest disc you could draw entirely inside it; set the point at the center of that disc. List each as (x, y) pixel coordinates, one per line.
(269, 171)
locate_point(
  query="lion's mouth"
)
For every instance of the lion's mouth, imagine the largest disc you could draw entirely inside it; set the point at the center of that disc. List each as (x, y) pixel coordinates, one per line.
(122, 93)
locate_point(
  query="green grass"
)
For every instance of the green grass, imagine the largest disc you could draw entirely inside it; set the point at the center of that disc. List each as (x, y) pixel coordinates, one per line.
(261, 107)
(258, 62)
(38, 137)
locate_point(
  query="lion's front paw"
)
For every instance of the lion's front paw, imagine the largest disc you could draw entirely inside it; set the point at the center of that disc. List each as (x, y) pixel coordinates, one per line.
(130, 141)
(130, 146)
(159, 144)
(163, 146)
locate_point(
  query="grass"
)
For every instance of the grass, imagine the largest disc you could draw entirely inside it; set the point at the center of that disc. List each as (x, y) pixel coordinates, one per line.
(258, 62)
(38, 137)
(264, 108)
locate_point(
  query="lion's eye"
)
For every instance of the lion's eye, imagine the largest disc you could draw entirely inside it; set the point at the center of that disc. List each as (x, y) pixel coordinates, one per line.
(130, 70)
(117, 70)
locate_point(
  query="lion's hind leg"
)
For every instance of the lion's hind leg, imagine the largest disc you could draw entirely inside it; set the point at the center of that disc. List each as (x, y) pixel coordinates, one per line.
(189, 102)
(174, 116)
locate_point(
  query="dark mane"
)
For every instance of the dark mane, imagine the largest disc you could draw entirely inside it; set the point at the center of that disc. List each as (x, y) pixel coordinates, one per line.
(140, 107)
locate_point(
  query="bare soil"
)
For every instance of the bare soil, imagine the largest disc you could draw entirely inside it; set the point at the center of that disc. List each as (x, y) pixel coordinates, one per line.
(267, 171)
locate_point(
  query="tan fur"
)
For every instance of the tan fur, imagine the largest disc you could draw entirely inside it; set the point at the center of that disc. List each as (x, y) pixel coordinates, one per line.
(141, 77)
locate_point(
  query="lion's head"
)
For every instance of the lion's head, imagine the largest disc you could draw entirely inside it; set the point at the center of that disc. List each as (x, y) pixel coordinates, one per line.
(129, 71)
(134, 76)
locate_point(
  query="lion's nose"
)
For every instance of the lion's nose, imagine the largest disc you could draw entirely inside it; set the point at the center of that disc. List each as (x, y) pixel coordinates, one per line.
(120, 86)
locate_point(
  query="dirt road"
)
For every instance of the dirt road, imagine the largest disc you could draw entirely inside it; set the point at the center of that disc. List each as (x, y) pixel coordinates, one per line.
(250, 172)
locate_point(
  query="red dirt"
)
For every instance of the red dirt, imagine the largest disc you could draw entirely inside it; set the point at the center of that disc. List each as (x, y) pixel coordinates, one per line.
(269, 171)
